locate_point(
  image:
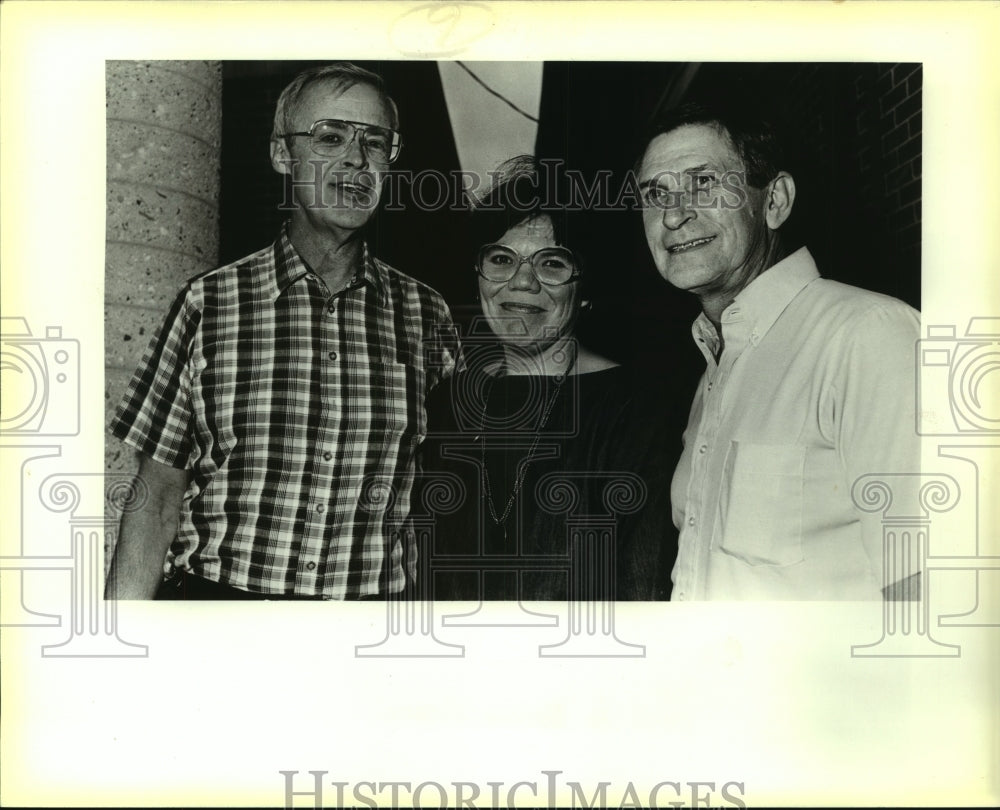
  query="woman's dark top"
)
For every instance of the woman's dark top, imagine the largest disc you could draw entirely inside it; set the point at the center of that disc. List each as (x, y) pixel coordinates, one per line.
(591, 519)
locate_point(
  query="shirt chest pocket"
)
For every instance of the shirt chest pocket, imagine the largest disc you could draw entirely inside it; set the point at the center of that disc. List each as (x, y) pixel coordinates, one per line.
(760, 504)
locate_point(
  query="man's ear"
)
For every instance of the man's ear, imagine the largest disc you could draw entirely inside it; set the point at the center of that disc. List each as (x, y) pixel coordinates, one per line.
(280, 157)
(780, 199)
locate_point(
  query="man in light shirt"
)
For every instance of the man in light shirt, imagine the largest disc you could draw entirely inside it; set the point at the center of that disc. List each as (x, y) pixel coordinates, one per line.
(809, 383)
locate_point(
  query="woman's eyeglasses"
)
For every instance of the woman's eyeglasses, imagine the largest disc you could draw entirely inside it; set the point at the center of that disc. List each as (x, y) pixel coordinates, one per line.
(552, 266)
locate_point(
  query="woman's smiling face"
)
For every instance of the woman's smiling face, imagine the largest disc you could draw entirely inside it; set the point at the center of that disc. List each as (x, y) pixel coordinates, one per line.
(523, 310)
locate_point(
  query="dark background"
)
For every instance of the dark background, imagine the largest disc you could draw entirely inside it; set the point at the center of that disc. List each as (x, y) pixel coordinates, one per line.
(857, 164)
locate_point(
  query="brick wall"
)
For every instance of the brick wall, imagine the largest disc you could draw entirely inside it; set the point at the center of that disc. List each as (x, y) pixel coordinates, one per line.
(890, 149)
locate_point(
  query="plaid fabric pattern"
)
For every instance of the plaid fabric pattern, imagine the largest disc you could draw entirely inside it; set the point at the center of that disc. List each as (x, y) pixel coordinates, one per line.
(298, 415)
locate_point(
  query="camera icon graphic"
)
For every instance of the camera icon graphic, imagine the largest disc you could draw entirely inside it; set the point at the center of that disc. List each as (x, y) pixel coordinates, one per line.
(39, 381)
(484, 356)
(958, 379)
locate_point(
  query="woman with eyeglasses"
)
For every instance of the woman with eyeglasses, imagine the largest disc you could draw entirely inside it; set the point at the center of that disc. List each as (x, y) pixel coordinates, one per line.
(556, 490)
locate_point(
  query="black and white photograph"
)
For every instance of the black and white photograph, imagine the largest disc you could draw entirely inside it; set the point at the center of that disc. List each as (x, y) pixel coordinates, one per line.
(509, 429)
(612, 385)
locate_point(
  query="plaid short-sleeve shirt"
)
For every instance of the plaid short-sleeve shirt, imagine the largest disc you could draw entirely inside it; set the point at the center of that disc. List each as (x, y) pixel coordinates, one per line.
(298, 414)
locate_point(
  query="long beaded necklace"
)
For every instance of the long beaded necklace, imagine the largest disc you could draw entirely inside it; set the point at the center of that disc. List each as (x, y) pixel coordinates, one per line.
(523, 468)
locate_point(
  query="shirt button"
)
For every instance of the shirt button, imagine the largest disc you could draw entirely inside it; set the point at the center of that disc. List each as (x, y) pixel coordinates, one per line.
(691, 521)
(310, 566)
(710, 386)
(320, 508)
(703, 449)
(331, 309)
(332, 355)
(327, 455)
(682, 595)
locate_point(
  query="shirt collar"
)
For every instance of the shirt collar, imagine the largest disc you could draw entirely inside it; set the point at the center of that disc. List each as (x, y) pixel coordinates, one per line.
(759, 304)
(289, 268)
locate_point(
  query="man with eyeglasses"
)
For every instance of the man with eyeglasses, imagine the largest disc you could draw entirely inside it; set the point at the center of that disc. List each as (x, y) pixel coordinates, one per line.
(278, 410)
(809, 385)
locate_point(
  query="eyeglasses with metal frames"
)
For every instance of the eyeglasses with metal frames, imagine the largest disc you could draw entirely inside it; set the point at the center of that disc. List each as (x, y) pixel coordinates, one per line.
(331, 137)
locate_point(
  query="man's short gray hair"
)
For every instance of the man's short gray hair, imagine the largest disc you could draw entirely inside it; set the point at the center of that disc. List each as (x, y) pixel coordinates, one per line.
(342, 75)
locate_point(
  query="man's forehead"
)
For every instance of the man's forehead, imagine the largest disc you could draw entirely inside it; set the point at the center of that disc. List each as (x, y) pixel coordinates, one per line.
(689, 148)
(355, 102)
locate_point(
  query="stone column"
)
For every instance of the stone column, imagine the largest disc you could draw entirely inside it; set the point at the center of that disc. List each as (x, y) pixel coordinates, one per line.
(164, 123)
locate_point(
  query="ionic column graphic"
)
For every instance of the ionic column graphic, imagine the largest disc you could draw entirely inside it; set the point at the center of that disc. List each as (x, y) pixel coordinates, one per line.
(490, 613)
(984, 563)
(409, 630)
(92, 500)
(905, 501)
(592, 538)
(16, 561)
